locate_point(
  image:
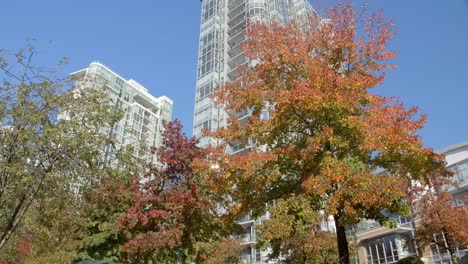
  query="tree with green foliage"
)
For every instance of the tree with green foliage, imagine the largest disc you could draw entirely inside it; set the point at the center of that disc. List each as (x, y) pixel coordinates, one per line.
(104, 203)
(51, 144)
(49, 229)
(300, 239)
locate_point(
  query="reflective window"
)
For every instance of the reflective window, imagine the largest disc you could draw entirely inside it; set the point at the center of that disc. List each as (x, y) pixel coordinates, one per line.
(205, 89)
(208, 10)
(205, 63)
(460, 173)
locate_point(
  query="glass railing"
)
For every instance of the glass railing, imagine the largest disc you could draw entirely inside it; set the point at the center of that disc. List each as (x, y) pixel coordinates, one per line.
(240, 147)
(245, 218)
(373, 224)
(248, 218)
(248, 259)
(245, 238)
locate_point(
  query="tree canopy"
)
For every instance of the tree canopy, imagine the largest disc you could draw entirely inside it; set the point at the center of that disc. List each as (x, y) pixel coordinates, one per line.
(175, 217)
(53, 132)
(441, 220)
(321, 133)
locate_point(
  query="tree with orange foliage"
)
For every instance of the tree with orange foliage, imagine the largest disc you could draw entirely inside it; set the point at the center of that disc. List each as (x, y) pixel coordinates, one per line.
(442, 221)
(321, 133)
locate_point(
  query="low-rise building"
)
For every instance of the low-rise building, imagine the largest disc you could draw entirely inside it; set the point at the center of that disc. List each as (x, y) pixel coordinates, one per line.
(379, 244)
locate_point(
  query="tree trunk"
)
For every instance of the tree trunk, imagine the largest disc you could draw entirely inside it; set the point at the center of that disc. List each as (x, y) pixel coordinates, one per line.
(343, 251)
(13, 221)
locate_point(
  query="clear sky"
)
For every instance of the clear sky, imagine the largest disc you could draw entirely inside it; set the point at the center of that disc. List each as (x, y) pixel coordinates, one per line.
(155, 42)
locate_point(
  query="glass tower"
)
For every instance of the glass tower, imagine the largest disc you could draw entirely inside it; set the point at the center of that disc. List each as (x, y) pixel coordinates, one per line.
(219, 57)
(143, 113)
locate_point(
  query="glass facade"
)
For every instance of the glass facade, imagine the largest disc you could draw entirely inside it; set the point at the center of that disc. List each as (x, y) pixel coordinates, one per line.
(219, 58)
(220, 55)
(460, 174)
(144, 114)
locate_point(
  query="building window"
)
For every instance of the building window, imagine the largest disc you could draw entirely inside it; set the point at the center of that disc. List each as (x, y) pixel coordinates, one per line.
(206, 54)
(119, 81)
(206, 124)
(386, 249)
(205, 89)
(208, 10)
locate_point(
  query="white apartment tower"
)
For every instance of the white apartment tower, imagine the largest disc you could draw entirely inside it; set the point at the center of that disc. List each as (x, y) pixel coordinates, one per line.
(143, 113)
(221, 31)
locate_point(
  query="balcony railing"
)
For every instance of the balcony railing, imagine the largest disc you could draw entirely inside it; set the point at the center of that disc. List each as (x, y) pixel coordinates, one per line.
(245, 238)
(373, 224)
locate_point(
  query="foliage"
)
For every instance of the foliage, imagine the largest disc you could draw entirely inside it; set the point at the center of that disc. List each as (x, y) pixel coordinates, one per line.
(104, 203)
(321, 134)
(49, 229)
(176, 209)
(441, 221)
(293, 235)
(226, 251)
(7, 262)
(51, 143)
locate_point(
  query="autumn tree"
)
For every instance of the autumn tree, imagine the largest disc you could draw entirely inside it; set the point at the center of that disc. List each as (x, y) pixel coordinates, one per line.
(442, 221)
(176, 211)
(300, 239)
(50, 138)
(226, 251)
(320, 132)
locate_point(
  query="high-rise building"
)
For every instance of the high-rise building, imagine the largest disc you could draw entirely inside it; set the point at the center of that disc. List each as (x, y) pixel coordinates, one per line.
(143, 113)
(220, 56)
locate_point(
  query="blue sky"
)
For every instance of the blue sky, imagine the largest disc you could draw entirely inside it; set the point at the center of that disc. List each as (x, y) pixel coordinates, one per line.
(155, 43)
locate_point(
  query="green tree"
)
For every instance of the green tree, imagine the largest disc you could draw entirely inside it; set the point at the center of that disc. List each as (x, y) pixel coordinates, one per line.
(300, 239)
(104, 203)
(50, 137)
(49, 229)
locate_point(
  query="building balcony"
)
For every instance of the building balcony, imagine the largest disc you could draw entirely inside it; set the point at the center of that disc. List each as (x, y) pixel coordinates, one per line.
(236, 10)
(236, 39)
(249, 259)
(236, 20)
(237, 61)
(236, 28)
(245, 239)
(247, 219)
(234, 73)
(235, 50)
(235, 3)
(370, 229)
(241, 148)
